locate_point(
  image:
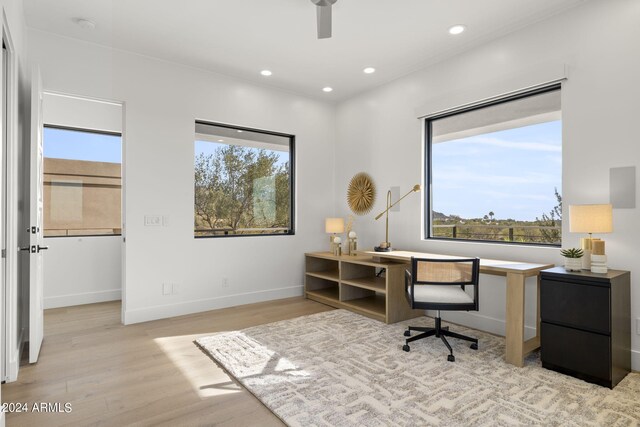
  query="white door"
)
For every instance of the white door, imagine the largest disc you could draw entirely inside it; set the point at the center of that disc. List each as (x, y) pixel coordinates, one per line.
(36, 293)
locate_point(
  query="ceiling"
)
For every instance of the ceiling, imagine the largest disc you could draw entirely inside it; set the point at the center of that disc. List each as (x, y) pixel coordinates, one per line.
(243, 37)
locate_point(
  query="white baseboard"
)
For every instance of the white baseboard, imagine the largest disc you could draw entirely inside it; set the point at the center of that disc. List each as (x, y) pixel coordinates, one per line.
(635, 360)
(481, 322)
(83, 298)
(189, 307)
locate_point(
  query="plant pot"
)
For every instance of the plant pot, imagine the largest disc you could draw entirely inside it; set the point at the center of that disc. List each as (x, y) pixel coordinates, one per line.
(573, 264)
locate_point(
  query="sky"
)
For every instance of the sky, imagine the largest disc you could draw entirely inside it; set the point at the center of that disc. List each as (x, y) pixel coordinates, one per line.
(512, 173)
(76, 145)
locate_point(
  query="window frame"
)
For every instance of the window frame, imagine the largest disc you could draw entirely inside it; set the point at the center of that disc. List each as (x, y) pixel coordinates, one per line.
(292, 168)
(428, 162)
(99, 132)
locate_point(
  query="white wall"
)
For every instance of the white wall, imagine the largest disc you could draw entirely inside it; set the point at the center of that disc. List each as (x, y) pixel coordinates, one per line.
(82, 270)
(161, 102)
(378, 132)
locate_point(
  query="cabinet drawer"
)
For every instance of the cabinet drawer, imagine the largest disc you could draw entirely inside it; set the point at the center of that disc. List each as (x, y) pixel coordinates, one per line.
(578, 305)
(582, 353)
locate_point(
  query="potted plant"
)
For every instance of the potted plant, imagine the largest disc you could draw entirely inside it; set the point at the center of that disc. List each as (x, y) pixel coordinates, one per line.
(572, 259)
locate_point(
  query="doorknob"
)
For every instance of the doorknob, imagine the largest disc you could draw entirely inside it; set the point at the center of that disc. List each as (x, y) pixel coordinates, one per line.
(42, 248)
(26, 248)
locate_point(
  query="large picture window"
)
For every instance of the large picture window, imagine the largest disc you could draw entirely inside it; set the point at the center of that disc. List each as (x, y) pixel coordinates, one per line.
(495, 171)
(243, 181)
(82, 182)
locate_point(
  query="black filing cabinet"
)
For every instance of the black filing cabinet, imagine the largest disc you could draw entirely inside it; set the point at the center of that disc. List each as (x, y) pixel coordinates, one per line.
(586, 324)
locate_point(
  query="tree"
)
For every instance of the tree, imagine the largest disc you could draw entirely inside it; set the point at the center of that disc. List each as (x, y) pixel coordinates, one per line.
(552, 219)
(241, 187)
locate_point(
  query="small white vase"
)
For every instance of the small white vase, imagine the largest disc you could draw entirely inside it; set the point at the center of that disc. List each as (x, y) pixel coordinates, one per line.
(573, 264)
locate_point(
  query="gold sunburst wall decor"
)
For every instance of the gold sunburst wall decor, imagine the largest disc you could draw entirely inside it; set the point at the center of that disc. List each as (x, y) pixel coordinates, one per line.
(361, 193)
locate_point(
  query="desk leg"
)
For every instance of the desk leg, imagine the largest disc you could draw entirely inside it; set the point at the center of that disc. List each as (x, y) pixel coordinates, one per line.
(515, 319)
(534, 343)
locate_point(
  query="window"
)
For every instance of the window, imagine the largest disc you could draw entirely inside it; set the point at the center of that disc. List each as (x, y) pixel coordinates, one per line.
(495, 171)
(82, 182)
(243, 181)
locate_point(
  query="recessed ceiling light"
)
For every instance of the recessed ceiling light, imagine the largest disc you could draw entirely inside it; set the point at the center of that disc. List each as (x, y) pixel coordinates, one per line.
(457, 29)
(327, 89)
(266, 72)
(369, 70)
(221, 140)
(239, 131)
(85, 23)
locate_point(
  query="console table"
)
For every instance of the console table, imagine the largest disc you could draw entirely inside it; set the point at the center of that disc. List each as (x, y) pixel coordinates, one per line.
(352, 282)
(516, 273)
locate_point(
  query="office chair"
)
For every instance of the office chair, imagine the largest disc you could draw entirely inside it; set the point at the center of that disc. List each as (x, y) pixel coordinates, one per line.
(439, 284)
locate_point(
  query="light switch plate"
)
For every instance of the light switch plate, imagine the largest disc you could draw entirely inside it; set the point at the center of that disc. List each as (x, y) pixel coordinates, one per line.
(152, 220)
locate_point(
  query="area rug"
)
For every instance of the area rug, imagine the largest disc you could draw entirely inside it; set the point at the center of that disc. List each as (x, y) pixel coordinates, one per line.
(338, 368)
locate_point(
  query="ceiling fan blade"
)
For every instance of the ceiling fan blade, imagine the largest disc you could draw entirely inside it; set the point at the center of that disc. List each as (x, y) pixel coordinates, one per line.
(324, 21)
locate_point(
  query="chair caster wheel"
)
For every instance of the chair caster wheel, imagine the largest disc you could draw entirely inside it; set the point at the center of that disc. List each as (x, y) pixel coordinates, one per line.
(474, 346)
(451, 358)
(406, 347)
(407, 333)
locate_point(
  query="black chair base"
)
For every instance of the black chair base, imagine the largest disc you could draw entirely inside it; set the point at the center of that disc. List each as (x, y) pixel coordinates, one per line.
(438, 332)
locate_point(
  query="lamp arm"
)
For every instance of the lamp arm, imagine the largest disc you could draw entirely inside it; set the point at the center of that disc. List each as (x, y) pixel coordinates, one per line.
(398, 201)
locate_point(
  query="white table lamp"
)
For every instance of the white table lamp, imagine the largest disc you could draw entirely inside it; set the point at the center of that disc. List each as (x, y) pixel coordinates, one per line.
(333, 226)
(591, 219)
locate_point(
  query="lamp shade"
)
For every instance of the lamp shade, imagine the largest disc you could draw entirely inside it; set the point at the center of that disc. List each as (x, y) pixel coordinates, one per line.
(590, 219)
(334, 225)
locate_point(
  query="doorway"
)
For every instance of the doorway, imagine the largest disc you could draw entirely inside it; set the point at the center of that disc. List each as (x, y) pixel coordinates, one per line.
(82, 178)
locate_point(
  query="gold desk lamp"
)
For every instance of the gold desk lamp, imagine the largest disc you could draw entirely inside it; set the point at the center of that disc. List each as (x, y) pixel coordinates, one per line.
(386, 245)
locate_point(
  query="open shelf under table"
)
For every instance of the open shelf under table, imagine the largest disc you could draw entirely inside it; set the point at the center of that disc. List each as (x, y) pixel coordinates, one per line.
(377, 284)
(373, 305)
(326, 295)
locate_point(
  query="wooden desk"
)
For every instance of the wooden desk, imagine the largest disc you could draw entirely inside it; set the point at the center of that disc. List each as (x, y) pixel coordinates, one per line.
(516, 273)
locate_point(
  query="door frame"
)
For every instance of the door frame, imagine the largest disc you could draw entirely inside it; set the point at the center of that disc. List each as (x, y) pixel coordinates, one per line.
(123, 213)
(10, 309)
(123, 218)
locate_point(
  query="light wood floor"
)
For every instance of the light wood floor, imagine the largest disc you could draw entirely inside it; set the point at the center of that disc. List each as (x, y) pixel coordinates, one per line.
(144, 374)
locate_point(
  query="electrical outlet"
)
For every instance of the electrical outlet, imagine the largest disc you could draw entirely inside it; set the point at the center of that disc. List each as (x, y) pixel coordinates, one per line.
(152, 220)
(166, 289)
(225, 282)
(175, 288)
